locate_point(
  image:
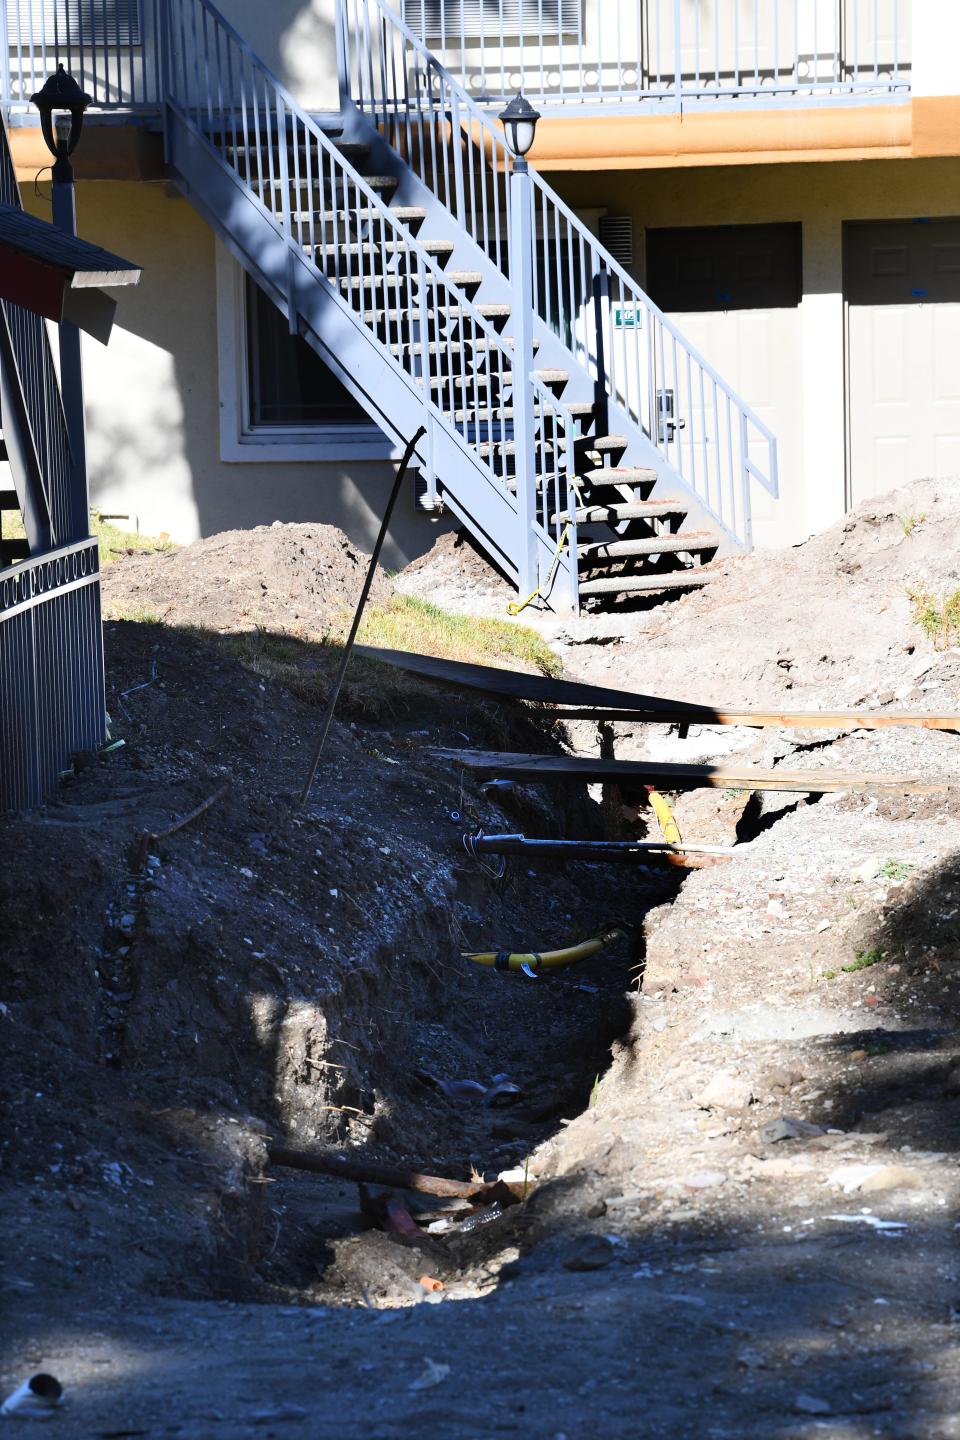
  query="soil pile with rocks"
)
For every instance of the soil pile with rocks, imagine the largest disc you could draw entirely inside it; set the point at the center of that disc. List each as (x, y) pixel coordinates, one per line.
(296, 578)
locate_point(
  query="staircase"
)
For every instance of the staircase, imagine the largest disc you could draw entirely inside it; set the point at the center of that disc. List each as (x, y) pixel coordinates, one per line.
(387, 243)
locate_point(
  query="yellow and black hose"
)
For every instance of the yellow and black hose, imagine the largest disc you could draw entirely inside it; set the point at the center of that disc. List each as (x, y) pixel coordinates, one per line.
(533, 961)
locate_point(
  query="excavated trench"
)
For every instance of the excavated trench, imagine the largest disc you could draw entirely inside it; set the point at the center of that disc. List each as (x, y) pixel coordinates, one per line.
(427, 1061)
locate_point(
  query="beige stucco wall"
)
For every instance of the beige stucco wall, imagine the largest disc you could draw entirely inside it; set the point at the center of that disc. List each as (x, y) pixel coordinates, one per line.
(295, 40)
(811, 421)
(153, 399)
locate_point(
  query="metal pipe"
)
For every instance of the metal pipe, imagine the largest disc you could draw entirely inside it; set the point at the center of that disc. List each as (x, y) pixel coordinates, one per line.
(481, 844)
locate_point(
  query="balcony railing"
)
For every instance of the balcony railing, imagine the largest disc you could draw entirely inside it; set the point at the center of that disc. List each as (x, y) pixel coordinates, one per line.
(639, 55)
(667, 54)
(110, 48)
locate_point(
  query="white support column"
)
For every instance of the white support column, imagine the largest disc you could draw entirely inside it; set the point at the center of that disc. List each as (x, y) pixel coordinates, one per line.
(935, 46)
(824, 419)
(524, 440)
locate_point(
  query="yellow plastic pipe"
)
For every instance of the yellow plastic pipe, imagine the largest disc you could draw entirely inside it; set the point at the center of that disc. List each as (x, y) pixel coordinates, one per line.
(533, 961)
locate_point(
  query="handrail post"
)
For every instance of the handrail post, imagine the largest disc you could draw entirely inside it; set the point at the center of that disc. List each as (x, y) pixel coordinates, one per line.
(341, 41)
(601, 309)
(677, 56)
(746, 521)
(524, 439)
(4, 66)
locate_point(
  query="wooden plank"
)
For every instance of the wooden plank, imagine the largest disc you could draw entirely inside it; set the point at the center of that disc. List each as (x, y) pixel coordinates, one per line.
(681, 777)
(596, 702)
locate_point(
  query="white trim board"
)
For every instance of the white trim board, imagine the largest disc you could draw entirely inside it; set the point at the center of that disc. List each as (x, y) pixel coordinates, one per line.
(239, 441)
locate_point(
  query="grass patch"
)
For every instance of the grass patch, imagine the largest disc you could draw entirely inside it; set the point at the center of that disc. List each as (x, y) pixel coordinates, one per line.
(136, 614)
(863, 960)
(896, 869)
(306, 666)
(909, 523)
(406, 623)
(115, 542)
(939, 619)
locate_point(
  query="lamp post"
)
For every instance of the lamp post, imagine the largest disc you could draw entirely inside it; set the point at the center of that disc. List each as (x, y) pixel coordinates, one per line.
(62, 103)
(519, 121)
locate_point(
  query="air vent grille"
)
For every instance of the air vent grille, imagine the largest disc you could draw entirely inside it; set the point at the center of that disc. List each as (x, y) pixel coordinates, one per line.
(616, 235)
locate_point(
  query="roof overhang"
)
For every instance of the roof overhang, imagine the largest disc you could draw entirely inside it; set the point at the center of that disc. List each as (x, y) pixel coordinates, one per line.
(58, 275)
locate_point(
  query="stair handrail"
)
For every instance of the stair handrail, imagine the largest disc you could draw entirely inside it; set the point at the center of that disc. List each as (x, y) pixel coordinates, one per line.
(595, 303)
(549, 505)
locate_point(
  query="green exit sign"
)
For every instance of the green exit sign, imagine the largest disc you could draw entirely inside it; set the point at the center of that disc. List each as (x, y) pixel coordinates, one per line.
(627, 317)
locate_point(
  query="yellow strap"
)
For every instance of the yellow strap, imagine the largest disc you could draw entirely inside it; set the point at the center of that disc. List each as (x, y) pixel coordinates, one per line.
(516, 606)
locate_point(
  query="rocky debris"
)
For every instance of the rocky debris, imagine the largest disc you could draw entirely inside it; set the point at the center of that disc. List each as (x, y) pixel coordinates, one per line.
(726, 1091)
(592, 1252)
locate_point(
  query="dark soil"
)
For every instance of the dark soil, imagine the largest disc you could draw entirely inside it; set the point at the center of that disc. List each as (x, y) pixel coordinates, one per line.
(676, 1269)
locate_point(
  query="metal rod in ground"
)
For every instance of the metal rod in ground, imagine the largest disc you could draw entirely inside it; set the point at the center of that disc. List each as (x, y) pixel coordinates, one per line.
(358, 613)
(481, 844)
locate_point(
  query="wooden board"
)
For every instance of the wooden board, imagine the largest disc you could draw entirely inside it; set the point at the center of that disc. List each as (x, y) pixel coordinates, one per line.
(511, 766)
(599, 703)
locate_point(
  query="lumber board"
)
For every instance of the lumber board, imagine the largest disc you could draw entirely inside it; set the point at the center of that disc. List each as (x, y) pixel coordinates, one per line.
(671, 776)
(601, 703)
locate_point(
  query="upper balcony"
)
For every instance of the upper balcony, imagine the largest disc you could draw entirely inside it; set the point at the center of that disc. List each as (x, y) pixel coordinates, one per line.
(621, 83)
(669, 56)
(642, 57)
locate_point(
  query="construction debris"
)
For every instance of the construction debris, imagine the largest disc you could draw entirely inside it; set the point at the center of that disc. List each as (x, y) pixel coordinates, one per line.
(682, 777)
(596, 702)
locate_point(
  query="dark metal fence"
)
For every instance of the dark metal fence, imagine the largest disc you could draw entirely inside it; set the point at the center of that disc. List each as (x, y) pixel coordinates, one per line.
(51, 640)
(51, 670)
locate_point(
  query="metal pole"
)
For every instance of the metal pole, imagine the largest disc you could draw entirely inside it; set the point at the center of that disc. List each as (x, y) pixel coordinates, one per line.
(524, 436)
(358, 613)
(71, 366)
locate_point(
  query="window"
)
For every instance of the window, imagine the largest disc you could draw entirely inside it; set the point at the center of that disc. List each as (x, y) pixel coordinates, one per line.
(436, 19)
(288, 384)
(279, 402)
(725, 267)
(66, 24)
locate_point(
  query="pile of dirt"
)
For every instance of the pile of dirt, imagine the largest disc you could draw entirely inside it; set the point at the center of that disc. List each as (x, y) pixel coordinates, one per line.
(296, 578)
(829, 623)
(270, 970)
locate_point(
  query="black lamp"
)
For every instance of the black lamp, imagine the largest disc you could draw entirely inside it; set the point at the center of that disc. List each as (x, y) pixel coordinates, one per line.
(519, 122)
(61, 95)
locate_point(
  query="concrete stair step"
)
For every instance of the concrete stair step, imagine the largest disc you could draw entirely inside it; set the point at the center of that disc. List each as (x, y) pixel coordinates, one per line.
(619, 475)
(636, 510)
(374, 249)
(694, 542)
(579, 409)
(411, 215)
(405, 316)
(462, 279)
(643, 584)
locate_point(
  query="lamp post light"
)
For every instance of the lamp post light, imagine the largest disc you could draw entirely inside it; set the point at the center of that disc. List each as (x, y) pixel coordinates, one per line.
(62, 103)
(519, 121)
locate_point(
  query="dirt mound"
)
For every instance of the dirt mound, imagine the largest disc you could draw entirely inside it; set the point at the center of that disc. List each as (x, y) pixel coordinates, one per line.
(456, 575)
(829, 623)
(298, 578)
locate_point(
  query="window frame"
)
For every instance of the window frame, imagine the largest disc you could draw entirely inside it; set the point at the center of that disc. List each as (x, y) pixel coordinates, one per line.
(240, 440)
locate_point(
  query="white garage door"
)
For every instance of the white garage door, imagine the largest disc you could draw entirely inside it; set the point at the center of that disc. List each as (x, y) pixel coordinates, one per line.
(902, 286)
(734, 291)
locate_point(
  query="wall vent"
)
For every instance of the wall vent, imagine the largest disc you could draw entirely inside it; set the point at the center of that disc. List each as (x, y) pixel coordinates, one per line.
(449, 20)
(616, 235)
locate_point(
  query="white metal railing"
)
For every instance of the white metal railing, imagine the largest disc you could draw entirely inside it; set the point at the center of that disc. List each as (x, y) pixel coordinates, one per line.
(335, 224)
(666, 54)
(640, 361)
(110, 47)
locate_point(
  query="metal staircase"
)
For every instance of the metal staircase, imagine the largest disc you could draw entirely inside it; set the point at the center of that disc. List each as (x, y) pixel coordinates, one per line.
(582, 441)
